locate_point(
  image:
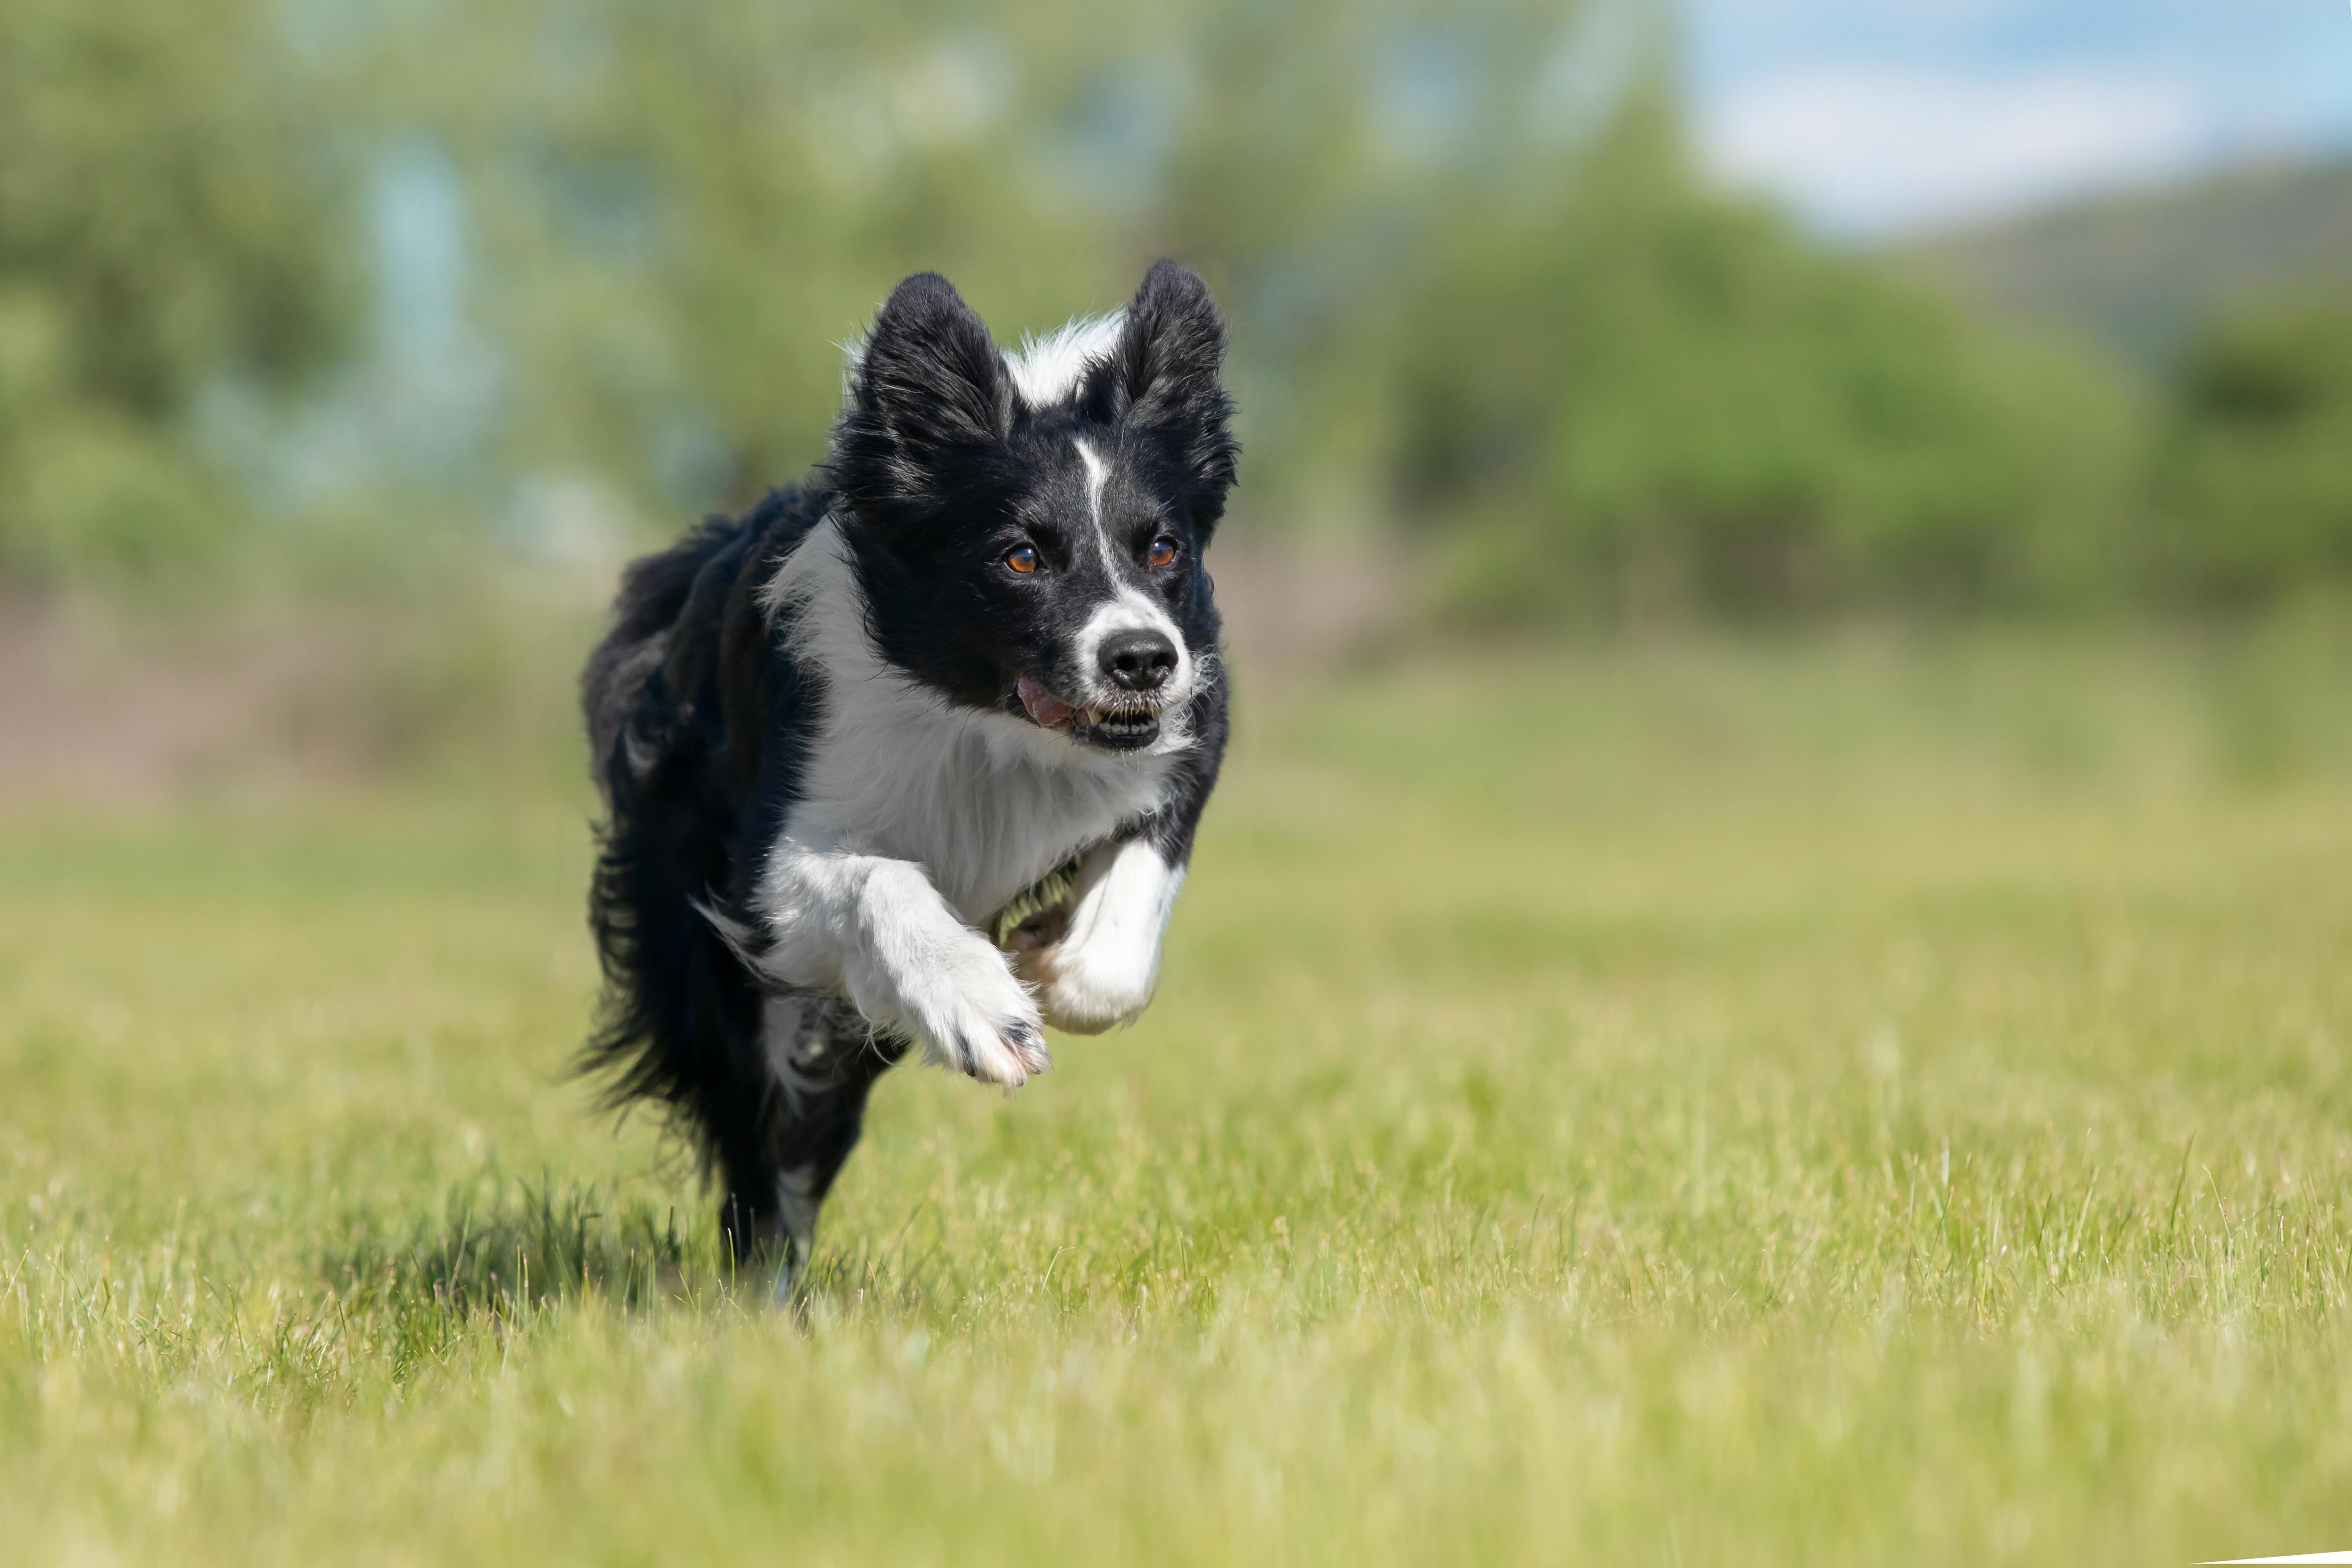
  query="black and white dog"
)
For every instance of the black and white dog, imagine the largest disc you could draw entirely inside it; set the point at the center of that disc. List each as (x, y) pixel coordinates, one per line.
(912, 755)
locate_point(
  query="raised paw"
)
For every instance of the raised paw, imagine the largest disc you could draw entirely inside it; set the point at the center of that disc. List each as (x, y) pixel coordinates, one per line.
(920, 971)
(969, 1013)
(1100, 969)
(1026, 1040)
(1007, 1050)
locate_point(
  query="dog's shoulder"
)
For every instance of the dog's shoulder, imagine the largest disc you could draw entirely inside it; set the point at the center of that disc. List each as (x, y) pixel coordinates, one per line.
(691, 667)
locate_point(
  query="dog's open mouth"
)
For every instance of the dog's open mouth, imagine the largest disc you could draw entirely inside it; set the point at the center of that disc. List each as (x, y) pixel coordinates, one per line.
(1120, 726)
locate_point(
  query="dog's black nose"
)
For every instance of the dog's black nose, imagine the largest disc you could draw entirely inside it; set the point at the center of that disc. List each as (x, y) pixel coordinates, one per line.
(1139, 661)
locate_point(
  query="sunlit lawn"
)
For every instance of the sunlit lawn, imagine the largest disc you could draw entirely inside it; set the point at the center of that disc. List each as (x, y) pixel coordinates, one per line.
(1839, 1103)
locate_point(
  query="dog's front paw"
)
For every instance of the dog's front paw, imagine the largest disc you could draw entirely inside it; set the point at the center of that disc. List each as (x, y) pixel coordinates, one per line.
(1099, 967)
(969, 1014)
(1086, 987)
(915, 969)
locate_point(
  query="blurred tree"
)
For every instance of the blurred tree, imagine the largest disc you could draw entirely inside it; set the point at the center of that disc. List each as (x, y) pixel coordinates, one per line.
(2254, 490)
(165, 225)
(684, 210)
(1478, 294)
(1641, 396)
(1475, 287)
(681, 212)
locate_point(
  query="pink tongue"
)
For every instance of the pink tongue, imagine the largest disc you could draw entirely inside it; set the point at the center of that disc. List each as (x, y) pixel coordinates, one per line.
(1043, 706)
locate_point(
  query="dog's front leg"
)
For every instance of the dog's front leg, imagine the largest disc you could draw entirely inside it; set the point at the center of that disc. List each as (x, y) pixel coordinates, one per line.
(1106, 964)
(878, 931)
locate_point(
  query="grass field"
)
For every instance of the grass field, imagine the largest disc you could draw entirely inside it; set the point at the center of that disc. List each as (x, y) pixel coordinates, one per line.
(1842, 1103)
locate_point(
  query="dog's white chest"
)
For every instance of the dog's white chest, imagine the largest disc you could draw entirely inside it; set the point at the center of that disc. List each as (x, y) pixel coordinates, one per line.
(984, 804)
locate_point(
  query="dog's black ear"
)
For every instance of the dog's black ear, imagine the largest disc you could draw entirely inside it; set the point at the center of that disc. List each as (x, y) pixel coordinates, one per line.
(1163, 379)
(929, 387)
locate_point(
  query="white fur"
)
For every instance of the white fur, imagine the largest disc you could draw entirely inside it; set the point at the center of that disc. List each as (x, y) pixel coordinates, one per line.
(1104, 968)
(917, 819)
(1047, 370)
(1097, 474)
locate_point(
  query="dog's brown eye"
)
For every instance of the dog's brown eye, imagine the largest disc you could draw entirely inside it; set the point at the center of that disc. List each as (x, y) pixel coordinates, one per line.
(1021, 558)
(1162, 551)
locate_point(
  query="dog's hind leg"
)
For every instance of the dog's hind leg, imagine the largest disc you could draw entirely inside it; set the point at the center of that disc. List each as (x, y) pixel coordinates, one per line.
(724, 1084)
(824, 1062)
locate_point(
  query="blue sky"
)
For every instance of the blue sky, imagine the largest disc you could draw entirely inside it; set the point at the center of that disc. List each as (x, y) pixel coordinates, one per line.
(1883, 117)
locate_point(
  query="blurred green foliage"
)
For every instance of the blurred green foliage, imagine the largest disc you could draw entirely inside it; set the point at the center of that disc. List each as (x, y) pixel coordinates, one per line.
(560, 273)
(2254, 484)
(166, 226)
(1672, 403)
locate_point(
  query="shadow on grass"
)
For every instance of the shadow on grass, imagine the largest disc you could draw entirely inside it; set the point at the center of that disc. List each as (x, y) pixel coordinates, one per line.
(504, 1251)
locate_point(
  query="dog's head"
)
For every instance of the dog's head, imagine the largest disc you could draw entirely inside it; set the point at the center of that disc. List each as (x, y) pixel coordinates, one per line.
(1029, 531)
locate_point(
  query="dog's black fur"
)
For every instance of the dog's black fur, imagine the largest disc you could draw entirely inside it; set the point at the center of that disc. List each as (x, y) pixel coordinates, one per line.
(745, 990)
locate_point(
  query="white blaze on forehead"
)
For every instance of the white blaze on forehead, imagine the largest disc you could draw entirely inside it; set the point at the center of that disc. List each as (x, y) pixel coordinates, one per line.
(1129, 609)
(1096, 473)
(1099, 474)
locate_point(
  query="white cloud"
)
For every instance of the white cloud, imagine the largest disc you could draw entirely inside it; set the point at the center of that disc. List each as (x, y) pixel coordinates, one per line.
(1870, 150)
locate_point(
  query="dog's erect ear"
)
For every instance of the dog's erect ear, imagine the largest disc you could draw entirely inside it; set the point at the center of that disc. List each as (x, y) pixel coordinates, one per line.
(1163, 378)
(928, 386)
(932, 372)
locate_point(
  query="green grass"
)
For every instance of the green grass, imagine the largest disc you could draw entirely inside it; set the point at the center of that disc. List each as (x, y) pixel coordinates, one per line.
(1842, 1103)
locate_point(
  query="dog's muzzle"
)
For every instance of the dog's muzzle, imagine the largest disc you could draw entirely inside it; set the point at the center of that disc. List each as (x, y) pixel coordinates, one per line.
(1123, 721)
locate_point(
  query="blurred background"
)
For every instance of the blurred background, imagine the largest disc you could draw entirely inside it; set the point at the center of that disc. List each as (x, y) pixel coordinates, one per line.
(348, 347)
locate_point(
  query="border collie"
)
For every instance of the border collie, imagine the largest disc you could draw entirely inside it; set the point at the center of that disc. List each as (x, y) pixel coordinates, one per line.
(910, 754)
